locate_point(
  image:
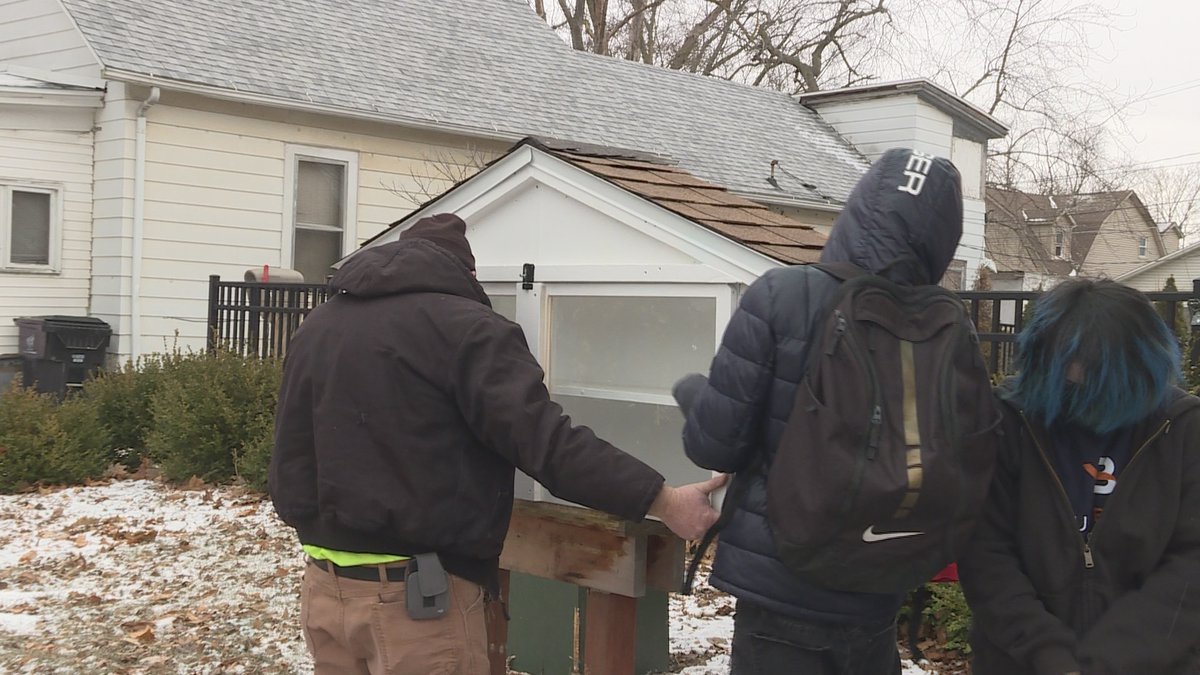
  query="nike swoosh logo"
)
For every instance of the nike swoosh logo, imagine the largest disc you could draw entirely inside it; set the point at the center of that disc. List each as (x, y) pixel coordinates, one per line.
(871, 536)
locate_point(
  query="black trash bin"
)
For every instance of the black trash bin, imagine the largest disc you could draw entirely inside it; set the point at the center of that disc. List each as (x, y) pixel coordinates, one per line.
(59, 352)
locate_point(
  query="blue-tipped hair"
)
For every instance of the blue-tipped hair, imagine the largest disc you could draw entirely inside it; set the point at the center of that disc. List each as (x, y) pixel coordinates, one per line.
(1127, 355)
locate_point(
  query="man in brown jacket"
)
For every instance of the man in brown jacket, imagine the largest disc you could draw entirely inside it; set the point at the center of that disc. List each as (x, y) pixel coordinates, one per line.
(406, 403)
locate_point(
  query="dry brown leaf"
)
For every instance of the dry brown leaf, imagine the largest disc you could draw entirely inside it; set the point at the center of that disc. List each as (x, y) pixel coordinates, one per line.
(282, 571)
(247, 512)
(139, 537)
(81, 541)
(143, 632)
(28, 557)
(116, 470)
(145, 470)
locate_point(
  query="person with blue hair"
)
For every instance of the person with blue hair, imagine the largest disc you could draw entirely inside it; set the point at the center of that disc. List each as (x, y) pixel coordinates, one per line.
(1087, 557)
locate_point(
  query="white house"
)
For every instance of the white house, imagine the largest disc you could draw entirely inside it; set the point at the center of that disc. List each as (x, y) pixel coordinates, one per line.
(1183, 265)
(921, 115)
(46, 145)
(240, 133)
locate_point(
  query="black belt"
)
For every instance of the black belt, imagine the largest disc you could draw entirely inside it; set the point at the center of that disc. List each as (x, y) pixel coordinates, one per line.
(394, 571)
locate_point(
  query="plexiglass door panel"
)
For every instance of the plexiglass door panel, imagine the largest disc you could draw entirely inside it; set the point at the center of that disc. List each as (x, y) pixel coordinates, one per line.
(612, 354)
(628, 348)
(613, 361)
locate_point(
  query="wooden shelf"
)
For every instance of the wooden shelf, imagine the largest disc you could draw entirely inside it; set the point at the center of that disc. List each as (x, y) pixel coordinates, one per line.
(656, 397)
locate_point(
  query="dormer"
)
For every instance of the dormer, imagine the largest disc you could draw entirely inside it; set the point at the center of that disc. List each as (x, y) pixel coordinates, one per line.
(916, 114)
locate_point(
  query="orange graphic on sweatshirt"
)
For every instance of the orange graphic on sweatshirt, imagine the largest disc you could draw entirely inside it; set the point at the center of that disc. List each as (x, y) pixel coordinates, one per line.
(1106, 480)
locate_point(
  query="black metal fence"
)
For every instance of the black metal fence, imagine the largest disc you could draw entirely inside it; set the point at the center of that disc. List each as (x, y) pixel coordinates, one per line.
(258, 319)
(1000, 315)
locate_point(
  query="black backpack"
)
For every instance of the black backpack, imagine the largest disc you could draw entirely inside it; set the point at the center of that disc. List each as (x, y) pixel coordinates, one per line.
(888, 452)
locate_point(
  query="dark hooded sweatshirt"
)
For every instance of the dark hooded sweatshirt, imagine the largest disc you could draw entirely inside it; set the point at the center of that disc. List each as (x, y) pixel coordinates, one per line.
(406, 403)
(1122, 599)
(741, 413)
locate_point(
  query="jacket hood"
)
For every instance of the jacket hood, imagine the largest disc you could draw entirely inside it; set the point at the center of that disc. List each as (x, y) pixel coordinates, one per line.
(903, 220)
(413, 265)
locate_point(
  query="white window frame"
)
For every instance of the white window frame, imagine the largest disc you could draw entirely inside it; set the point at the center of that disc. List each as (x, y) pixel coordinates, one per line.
(293, 155)
(1143, 246)
(1060, 244)
(55, 190)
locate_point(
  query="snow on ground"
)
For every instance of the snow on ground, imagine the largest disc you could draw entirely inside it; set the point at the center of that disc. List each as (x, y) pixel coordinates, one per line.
(135, 577)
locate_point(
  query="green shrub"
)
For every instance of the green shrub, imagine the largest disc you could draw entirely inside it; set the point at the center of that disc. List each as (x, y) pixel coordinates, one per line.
(948, 615)
(86, 450)
(195, 414)
(209, 409)
(122, 398)
(42, 441)
(252, 462)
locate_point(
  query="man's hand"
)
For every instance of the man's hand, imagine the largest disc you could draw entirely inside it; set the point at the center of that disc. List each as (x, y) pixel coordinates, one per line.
(686, 509)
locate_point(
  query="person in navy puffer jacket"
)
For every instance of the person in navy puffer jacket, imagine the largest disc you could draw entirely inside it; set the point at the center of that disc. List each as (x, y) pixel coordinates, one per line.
(782, 624)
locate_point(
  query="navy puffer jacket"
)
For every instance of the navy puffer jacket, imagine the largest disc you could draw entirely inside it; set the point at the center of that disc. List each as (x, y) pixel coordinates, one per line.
(742, 410)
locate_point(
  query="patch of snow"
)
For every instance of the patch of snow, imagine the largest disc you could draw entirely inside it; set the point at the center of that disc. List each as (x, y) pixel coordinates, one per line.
(139, 577)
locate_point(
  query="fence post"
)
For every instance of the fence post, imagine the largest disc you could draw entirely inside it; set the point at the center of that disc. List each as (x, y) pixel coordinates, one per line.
(214, 315)
(1193, 326)
(254, 313)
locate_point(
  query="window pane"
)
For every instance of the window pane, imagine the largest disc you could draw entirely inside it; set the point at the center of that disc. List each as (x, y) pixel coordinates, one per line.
(505, 306)
(30, 228)
(647, 431)
(319, 192)
(315, 252)
(641, 344)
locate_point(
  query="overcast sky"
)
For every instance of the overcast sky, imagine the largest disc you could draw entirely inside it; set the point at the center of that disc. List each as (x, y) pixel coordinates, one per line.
(1159, 52)
(1154, 53)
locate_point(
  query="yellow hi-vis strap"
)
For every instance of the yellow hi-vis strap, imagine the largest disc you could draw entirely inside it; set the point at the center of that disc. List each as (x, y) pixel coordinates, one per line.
(348, 559)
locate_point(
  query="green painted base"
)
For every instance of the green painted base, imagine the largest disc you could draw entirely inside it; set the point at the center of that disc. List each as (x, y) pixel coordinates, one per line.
(541, 632)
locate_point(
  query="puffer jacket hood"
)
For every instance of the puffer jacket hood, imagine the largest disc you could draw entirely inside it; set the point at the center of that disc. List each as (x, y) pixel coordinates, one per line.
(406, 266)
(903, 220)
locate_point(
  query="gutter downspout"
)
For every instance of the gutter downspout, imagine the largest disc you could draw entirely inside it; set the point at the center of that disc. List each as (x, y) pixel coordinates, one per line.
(139, 224)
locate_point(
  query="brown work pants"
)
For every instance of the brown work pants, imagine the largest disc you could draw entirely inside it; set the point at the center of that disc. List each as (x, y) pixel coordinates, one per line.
(354, 626)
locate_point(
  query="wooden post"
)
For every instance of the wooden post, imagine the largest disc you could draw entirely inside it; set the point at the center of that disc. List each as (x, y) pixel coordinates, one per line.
(610, 635)
(617, 562)
(497, 630)
(214, 316)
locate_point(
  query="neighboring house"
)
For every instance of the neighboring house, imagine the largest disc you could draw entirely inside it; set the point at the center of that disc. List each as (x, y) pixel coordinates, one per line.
(1042, 238)
(1172, 236)
(1183, 264)
(241, 133)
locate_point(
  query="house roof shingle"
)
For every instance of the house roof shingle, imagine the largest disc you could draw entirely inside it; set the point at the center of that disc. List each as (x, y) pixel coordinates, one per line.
(489, 66)
(746, 222)
(659, 181)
